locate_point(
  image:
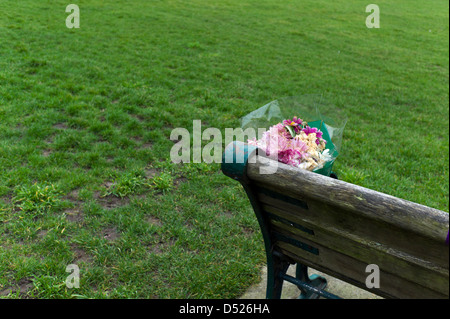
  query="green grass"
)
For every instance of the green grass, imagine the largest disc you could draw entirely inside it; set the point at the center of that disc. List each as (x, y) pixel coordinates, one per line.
(86, 116)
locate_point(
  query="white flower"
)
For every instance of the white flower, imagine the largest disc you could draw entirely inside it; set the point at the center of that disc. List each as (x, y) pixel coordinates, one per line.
(304, 165)
(325, 155)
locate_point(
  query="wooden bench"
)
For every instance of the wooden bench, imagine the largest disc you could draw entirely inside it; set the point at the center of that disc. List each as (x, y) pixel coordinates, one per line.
(339, 228)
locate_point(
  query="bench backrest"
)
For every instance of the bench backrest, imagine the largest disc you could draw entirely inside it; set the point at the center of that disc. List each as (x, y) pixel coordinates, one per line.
(340, 228)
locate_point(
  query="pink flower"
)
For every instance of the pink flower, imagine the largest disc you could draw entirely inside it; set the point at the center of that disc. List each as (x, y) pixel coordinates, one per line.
(295, 123)
(308, 130)
(291, 157)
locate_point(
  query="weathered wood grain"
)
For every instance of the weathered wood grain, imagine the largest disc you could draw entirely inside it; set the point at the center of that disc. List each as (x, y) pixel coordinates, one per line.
(390, 261)
(353, 271)
(405, 214)
(432, 253)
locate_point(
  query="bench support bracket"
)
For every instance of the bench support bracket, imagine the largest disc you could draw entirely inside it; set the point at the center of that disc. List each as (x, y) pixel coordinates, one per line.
(311, 287)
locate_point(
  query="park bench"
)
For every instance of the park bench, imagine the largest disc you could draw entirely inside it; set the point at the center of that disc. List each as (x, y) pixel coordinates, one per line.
(340, 228)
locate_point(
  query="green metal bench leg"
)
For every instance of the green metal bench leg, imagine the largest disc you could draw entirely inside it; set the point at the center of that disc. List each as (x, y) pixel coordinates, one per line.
(276, 269)
(311, 287)
(313, 280)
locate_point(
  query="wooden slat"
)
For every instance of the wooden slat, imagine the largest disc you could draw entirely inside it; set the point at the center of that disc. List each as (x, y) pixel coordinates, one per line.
(428, 222)
(353, 271)
(434, 254)
(388, 260)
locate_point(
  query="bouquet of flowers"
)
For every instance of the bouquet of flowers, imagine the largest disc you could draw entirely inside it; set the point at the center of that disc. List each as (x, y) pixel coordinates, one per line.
(295, 143)
(311, 142)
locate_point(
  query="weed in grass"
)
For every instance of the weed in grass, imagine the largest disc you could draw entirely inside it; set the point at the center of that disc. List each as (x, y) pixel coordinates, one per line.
(163, 182)
(37, 199)
(127, 184)
(49, 287)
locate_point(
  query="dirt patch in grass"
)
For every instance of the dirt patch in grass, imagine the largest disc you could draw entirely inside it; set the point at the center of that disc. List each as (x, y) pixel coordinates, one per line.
(80, 256)
(7, 199)
(137, 139)
(74, 198)
(111, 201)
(74, 215)
(42, 233)
(110, 234)
(147, 145)
(46, 152)
(73, 195)
(60, 126)
(152, 220)
(151, 172)
(22, 287)
(161, 246)
(247, 231)
(179, 180)
(227, 214)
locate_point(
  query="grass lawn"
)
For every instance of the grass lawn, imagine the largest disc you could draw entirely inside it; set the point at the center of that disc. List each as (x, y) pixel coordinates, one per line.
(86, 115)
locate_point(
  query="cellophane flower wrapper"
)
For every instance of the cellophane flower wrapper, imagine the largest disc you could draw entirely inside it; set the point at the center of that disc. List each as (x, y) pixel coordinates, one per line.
(310, 108)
